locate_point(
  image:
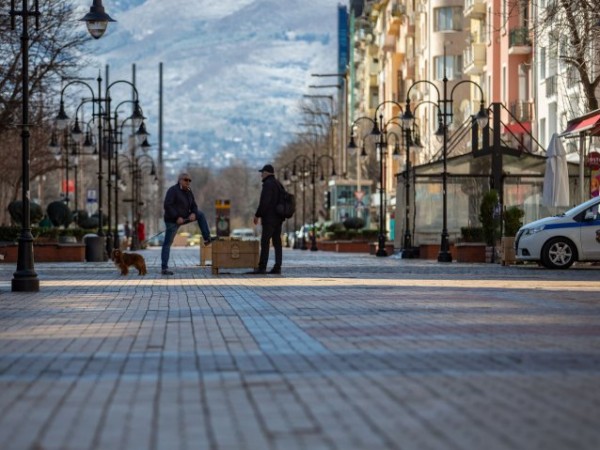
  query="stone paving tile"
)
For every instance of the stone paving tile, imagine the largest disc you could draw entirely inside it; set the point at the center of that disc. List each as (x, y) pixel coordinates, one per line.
(344, 351)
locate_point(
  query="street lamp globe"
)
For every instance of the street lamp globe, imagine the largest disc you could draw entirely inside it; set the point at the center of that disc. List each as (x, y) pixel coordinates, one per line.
(97, 20)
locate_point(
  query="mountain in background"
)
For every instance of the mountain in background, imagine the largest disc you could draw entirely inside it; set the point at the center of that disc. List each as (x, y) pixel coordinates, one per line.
(234, 71)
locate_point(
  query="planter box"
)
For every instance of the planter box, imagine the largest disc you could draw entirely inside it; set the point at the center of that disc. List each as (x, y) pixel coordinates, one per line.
(508, 251)
(232, 254)
(352, 247)
(50, 252)
(327, 246)
(344, 246)
(431, 251)
(471, 252)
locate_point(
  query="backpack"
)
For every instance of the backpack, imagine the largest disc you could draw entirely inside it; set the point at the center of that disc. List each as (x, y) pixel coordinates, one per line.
(286, 205)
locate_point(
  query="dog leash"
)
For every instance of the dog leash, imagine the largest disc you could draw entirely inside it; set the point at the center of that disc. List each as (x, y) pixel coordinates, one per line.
(164, 231)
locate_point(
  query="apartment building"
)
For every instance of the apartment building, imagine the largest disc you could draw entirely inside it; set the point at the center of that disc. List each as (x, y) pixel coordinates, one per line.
(444, 58)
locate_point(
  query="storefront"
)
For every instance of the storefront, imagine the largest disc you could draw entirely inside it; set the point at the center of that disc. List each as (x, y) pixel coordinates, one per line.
(469, 177)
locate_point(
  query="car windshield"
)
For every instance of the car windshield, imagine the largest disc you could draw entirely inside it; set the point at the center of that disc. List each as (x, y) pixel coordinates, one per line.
(581, 207)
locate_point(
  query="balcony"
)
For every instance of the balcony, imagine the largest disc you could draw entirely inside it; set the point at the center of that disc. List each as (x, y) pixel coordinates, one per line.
(474, 9)
(388, 43)
(519, 42)
(522, 110)
(396, 16)
(474, 58)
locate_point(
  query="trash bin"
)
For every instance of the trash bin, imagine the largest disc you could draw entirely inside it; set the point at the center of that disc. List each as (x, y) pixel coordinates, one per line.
(94, 248)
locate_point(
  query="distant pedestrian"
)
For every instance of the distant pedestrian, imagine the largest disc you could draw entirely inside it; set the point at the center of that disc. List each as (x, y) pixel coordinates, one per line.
(127, 229)
(271, 221)
(180, 208)
(141, 232)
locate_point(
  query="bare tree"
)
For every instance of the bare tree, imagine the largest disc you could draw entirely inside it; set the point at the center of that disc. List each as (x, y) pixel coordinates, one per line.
(53, 54)
(573, 36)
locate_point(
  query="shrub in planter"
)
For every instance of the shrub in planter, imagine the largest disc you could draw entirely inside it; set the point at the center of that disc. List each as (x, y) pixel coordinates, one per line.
(354, 223)
(369, 234)
(59, 214)
(513, 220)
(487, 217)
(9, 234)
(471, 234)
(15, 210)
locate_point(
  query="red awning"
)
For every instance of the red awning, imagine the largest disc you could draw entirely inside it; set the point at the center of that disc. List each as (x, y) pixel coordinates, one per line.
(584, 123)
(518, 128)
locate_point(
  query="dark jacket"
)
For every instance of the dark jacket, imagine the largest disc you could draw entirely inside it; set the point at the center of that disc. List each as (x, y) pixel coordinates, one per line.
(178, 203)
(269, 197)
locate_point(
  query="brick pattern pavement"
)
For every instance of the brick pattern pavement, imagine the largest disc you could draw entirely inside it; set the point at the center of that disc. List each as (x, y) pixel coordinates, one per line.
(341, 352)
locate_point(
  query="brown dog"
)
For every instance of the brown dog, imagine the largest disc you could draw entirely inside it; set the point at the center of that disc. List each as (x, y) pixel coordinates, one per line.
(125, 260)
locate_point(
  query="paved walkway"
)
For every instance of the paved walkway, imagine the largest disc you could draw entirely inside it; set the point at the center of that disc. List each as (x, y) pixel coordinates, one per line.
(344, 351)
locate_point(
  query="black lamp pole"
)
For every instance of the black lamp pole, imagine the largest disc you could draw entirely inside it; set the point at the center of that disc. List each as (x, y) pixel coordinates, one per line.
(444, 106)
(444, 254)
(382, 232)
(407, 250)
(379, 130)
(25, 279)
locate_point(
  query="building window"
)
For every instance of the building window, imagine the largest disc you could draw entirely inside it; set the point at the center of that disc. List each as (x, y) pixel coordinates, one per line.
(453, 67)
(449, 18)
(542, 63)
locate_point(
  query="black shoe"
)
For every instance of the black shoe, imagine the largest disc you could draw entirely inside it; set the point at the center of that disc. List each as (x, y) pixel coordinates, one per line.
(209, 240)
(258, 271)
(166, 272)
(275, 270)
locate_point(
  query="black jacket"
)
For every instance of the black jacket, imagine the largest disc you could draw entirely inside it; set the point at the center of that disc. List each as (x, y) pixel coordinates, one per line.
(178, 203)
(269, 197)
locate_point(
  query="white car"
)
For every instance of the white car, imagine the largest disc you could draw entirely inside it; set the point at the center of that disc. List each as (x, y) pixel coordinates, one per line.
(243, 233)
(557, 242)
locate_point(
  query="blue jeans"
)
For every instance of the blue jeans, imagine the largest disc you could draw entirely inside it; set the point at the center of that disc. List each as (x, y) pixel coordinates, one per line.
(170, 232)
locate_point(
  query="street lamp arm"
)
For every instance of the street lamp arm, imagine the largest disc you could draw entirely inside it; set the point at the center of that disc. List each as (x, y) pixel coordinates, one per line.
(419, 82)
(467, 81)
(359, 119)
(135, 91)
(385, 103)
(482, 116)
(324, 157)
(303, 158)
(77, 82)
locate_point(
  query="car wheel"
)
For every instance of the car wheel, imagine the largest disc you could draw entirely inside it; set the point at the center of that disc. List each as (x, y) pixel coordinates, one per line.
(559, 253)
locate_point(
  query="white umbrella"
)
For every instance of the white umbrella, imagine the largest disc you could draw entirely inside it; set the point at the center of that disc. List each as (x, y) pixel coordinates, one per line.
(556, 178)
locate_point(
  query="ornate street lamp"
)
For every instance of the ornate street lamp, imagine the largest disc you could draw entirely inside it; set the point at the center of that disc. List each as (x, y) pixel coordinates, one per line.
(25, 278)
(408, 125)
(105, 140)
(379, 130)
(444, 105)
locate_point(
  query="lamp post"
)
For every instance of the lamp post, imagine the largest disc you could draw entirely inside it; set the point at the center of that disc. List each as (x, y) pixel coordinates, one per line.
(379, 130)
(105, 141)
(116, 141)
(135, 164)
(445, 113)
(315, 170)
(25, 278)
(408, 125)
(287, 182)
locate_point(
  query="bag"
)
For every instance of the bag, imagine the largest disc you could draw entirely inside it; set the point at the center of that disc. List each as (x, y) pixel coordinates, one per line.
(286, 206)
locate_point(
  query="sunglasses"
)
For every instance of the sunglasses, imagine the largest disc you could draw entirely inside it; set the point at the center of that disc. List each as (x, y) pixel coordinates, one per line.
(187, 179)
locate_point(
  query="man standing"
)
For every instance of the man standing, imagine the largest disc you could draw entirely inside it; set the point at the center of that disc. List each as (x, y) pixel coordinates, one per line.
(270, 220)
(180, 208)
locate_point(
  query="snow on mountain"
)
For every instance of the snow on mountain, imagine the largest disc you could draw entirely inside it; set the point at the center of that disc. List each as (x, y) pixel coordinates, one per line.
(234, 70)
